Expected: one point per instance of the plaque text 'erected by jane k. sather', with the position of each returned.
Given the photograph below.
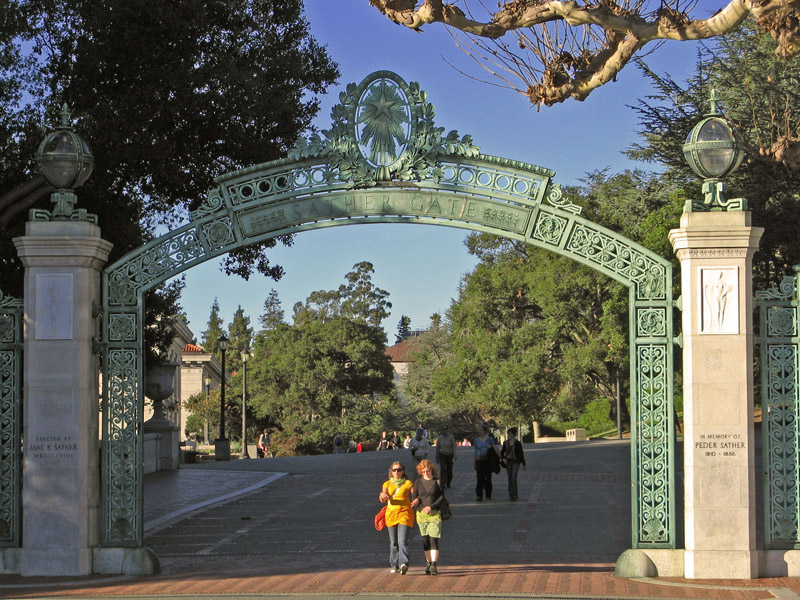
(53, 447)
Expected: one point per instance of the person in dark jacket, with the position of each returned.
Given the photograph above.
(512, 456)
(483, 445)
(427, 499)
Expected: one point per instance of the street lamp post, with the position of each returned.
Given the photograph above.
(222, 445)
(207, 382)
(245, 356)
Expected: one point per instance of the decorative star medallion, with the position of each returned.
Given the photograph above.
(384, 114)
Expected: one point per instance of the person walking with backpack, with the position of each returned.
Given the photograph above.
(512, 456)
(427, 498)
(483, 445)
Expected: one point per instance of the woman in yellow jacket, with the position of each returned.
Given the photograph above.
(399, 515)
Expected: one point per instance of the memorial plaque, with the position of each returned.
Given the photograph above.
(54, 307)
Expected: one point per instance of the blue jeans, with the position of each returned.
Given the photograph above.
(512, 468)
(398, 548)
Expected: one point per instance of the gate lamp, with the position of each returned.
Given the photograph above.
(713, 150)
(65, 161)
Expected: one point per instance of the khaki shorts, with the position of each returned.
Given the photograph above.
(430, 528)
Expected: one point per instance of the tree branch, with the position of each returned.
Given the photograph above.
(626, 26)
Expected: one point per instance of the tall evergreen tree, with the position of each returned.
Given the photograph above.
(403, 328)
(359, 299)
(214, 329)
(241, 335)
(273, 314)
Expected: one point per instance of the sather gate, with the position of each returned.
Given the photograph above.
(384, 161)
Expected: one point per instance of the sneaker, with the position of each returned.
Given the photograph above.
(394, 570)
(478, 499)
(428, 569)
(403, 569)
(434, 570)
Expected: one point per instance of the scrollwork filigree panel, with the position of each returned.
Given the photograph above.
(10, 417)
(122, 449)
(619, 256)
(154, 261)
(652, 436)
(779, 422)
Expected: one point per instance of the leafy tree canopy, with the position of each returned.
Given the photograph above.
(167, 94)
(761, 96)
(358, 299)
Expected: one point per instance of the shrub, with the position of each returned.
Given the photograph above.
(595, 418)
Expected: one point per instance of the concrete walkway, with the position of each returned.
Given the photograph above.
(302, 527)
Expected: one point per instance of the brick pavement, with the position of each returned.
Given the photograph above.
(239, 529)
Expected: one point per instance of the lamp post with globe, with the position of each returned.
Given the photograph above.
(245, 356)
(714, 150)
(222, 445)
(65, 161)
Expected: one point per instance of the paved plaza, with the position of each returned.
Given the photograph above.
(295, 527)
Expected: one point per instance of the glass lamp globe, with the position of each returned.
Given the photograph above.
(713, 148)
(64, 158)
(222, 342)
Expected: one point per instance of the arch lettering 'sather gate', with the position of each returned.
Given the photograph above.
(384, 161)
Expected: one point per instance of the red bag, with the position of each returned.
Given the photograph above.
(380, 519)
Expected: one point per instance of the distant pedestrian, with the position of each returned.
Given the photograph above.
(483, 444)
(359, 447)
(419, 447)
(263, 444)
(407, 442)
(338, 444)
(446, 455)
(513, 455)
(383, 441)
(397, 443)
(427, 498)
(465, 442)
(396, 493)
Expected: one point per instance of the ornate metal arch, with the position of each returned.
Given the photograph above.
(385, 161)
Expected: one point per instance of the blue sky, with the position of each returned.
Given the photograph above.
(421, 266)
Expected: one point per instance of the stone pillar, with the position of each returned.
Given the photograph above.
(716, 250)
(60, 490)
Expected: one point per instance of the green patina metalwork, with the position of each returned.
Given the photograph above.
(777, 319)
(385, 161)
(11, 319)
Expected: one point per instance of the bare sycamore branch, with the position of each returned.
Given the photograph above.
(563, 49)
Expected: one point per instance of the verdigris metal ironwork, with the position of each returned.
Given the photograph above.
(384, 161)
(713, 150)
(778, 337)
(11, 320)
(65, 161)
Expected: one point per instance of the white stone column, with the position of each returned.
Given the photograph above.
(716, 250)
(60, 490)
